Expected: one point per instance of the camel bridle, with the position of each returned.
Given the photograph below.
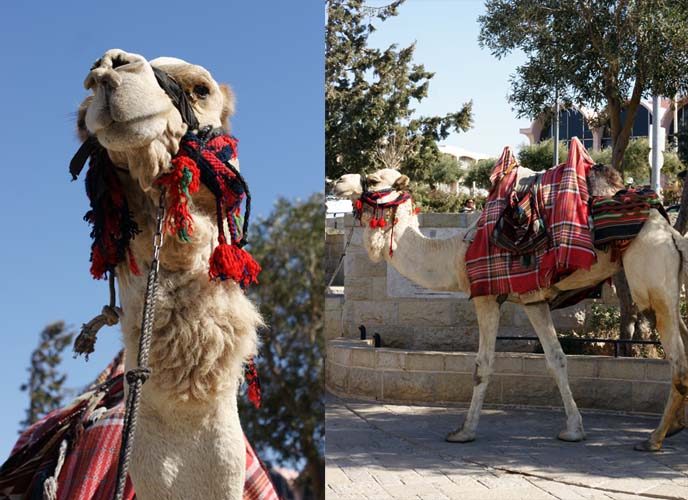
(384, 214)
(205, 158)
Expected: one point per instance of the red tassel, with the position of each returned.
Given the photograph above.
(182, 182)
(98, 268)
(231, 262)
(416, 210)
(373, 222)
(381, 222)
(359, 205)
(253, 382)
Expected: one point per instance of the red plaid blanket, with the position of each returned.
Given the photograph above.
(562, 198)
(81, 443)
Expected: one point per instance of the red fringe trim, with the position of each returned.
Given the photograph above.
(254, 391)
(98, 265)
(178, 219)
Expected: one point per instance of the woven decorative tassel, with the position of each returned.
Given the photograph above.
(231, 262)
(182, 182)
(253, 381)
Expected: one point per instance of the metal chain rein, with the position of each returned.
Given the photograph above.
(138, 376)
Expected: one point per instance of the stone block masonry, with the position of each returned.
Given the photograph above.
(355, 369)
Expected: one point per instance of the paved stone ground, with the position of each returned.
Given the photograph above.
(383, 451)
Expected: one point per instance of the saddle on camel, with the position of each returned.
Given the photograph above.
(539, 227)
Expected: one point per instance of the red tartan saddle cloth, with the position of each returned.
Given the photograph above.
(77, 449)
(529, 239)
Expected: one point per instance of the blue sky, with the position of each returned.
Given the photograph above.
(446, 37)
(270, 52)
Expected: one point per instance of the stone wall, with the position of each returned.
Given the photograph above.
(355, 369)
(407, 316)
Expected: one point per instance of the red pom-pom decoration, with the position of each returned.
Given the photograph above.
(373, 223)
(381, 222)
(231, 262)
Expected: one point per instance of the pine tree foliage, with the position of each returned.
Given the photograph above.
(369, 93)
(46, 382)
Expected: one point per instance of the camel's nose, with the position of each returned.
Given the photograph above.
(106, 70)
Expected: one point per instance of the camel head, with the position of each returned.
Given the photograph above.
(134, 118)
(605, 180)
(382, 201)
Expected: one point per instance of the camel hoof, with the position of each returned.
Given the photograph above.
(572, 436)
(460, 437)
(647, 446)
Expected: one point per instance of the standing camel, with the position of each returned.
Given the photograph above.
(189, 443)
(654, 264)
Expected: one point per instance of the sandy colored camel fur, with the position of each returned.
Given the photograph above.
(189, 443)
(655, 264)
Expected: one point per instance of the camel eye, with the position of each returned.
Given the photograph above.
(201, 91)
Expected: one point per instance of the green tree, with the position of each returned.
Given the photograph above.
(445, 171)
(604, 54)
(289, 245)
(636, 164)
(480, 174)
(46, 383)
(369, 119)
(540, 156)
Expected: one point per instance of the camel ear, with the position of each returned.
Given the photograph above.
(228, 104)
(373, 178)
(81, 129)
(401, 183)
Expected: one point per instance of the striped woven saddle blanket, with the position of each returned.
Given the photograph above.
(72, 453)
(618, 219)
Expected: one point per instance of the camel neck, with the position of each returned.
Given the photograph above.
(431, 262)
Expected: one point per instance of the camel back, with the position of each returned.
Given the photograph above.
(550, 241)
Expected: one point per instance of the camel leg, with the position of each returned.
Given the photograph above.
(487, 310)
(668, 325)
(679, 420)
(541, 319)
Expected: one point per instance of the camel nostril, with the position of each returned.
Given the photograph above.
(110, 80)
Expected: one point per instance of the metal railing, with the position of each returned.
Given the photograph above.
(616, 342)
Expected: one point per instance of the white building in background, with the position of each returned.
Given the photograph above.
(463, 156)
(576, 122)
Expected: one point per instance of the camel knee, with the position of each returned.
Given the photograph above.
(680, 383)
(681, 387)
(483, 371)
(555, 361)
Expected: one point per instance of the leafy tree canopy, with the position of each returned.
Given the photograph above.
(604, 54)
(480, 174)
(540, 156)
(369, 119)
(289, 245)
(445, 170)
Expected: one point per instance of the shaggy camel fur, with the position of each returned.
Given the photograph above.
(653, 263)
(189, 443)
